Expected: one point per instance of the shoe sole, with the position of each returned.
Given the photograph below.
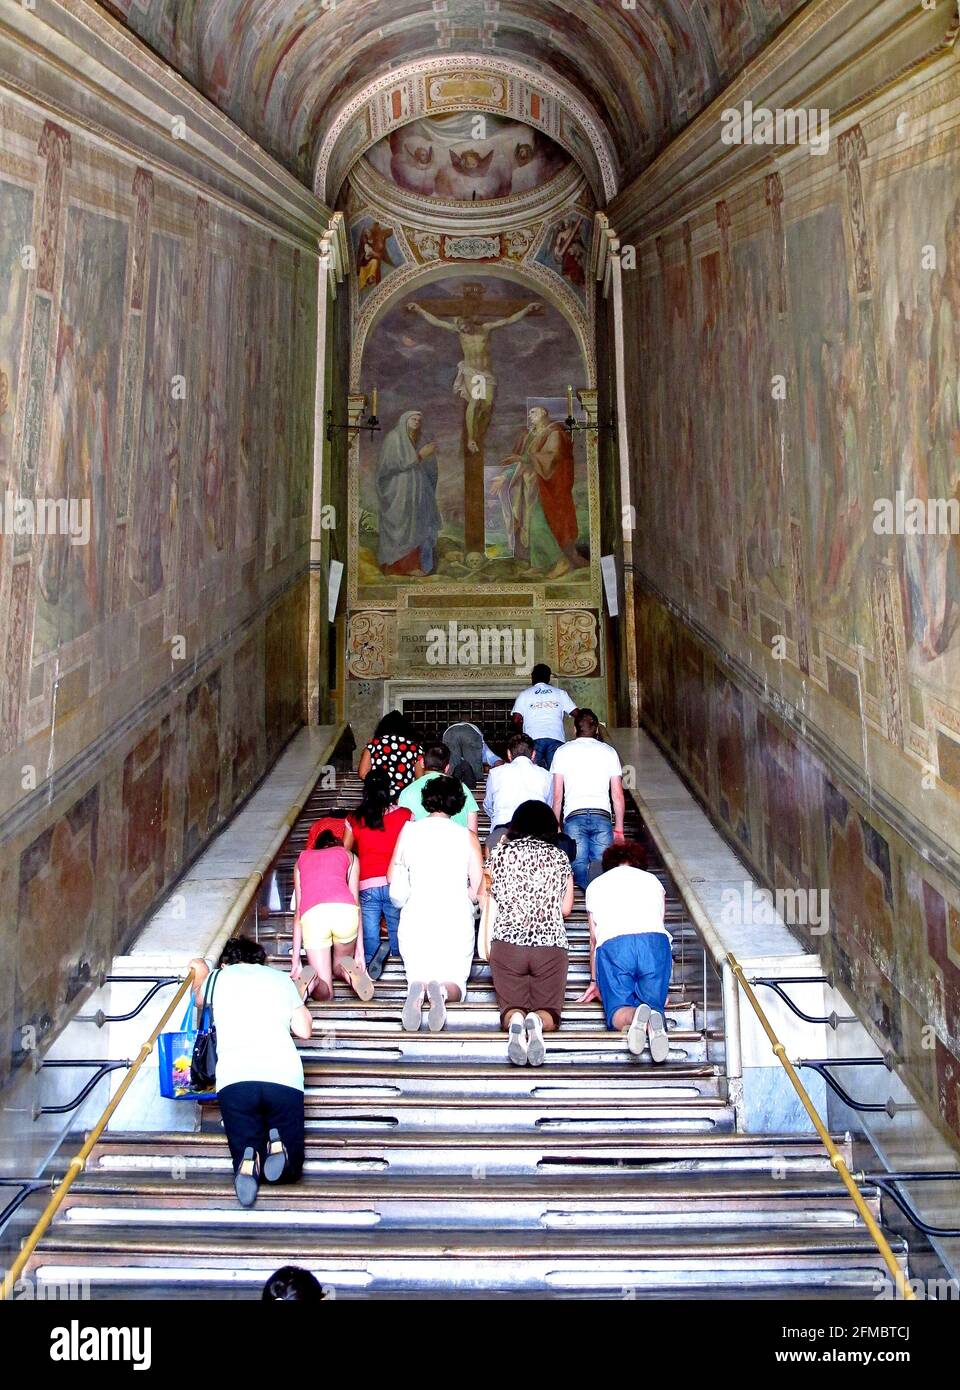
(360, 983)
(517, 1047)
(536, 1047)
(412, 1016)
(275, 1164)
(375, 968)
(659, 1042)
(308, 978)
(437, 1015)
(637, 1032)
(246, 1185)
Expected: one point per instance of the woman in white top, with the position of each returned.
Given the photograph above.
(630, 957)
(435, 875)
(259, 1072)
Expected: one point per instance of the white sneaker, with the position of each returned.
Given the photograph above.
(659, 1042)
(517, 1046)
(536, 1048)
(412, 1015)
(637, 1032)
(437, 1013)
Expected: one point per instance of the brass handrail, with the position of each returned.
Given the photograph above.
(232, 921)
(836, 1158)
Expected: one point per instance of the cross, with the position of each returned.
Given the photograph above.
(472, 304)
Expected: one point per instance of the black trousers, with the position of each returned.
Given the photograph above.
(250, 1109)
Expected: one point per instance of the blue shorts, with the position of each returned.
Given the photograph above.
(632, 970)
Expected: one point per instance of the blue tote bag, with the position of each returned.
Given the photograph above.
(175, 1052)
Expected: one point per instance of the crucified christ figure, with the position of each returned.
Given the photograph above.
(475, 382)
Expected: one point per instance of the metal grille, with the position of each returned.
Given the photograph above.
(431, 717)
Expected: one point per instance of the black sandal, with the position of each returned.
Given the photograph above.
(375, 968)
(246, 1181)
(275, 1163)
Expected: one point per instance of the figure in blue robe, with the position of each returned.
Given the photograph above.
(407, 497)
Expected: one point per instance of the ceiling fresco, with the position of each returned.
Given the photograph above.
(282, 69)
(467, 157)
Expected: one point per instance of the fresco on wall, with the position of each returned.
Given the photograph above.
(837, 432)
(827, 645)
(80, 442)
(280, 461)
(467, 156)
(893, 938)
(473, 477)
(201, 804)
(146, 817)
(920, 347)
(566, 248)
(160, 461)
(16, 218)
(216, 413)
(59, 866)
(375, 251)
(168, 353)
(254, 373)
(761, 423)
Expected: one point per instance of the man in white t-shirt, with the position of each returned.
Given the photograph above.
(588, 793)
(539, 712)
(512, 783)
(630, 957)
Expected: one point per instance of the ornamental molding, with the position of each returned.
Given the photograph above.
(560, 98)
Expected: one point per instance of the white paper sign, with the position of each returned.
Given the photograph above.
(608, 568)
(333, 588)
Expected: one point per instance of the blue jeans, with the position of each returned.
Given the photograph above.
(375, 902)
(544, 749)
(632, 970)
(592, 834)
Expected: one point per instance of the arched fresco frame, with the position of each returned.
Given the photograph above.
(545, 283)
(555, 99)
(530, 275)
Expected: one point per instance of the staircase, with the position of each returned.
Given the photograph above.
(435, 1169)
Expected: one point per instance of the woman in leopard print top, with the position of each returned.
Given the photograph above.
(531, 882)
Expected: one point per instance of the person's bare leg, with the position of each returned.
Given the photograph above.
(322, 988)
(622, 1019)
(549, 1026)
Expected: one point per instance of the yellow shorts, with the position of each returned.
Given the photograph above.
(327, 923)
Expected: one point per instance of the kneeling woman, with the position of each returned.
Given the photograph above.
(630, 957)
(436, 871)
(259, 1073)
(531, 882)
(326, 919)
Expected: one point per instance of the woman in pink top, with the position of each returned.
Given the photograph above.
(326, 918)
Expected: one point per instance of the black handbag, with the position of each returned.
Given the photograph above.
(203, 1063)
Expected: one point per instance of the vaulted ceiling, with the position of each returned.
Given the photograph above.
(283, 69)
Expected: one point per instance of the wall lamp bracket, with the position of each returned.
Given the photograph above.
(371, 423)
(570, 424)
